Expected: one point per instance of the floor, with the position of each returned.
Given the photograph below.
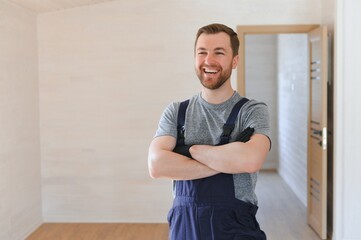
(281, 215)
(100, 231)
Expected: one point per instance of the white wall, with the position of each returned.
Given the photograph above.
(106, 73)
(293, 88)
(347, 123)
(261, 83)
(20, 184)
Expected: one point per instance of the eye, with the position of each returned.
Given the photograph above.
(202, 53)
(220, 53)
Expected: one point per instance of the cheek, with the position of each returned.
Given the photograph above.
(198, 62)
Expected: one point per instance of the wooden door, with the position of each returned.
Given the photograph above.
(317, 155)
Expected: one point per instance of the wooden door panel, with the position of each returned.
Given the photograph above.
(317, 157)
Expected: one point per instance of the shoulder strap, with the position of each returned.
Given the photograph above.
(180, 122)
(230, 123)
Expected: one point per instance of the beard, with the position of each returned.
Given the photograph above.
(214, 82)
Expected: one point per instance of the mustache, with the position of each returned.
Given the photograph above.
(210, 65)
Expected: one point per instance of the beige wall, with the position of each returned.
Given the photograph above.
(20, 183)
(106, 73)
(328, 14)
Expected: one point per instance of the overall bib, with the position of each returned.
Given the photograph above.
(206, 209)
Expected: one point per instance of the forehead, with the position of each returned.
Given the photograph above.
(216, 40)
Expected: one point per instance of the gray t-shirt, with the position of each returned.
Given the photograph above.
(203, 125)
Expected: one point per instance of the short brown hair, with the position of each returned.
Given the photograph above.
(217, 28)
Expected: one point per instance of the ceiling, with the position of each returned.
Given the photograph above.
(41, 6)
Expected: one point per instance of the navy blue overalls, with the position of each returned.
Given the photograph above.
(206, 209)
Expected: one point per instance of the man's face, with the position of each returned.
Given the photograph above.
(214, 59)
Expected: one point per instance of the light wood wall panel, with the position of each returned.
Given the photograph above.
(20, 183)
(293, 102)
(40, 6)
(106, 73)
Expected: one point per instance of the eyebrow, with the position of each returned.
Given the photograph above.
(220, 48)
(216, 49)
(201, 49)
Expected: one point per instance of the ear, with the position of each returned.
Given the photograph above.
(235, 61)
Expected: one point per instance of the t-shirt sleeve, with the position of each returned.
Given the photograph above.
(256, 115)
(168, 122)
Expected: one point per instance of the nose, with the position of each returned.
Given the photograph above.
(209, 59)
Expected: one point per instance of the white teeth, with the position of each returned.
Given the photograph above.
(210, 71)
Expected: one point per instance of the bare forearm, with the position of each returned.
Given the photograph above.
(167, 164)
(236, 157)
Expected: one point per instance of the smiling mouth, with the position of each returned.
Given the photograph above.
(210, 71)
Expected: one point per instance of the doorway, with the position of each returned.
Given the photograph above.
(277, 74)
(288, 75)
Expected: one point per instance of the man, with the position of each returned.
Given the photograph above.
(214, 174)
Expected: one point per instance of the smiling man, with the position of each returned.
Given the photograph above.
(212, 147)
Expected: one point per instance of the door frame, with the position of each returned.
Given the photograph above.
(261, 29)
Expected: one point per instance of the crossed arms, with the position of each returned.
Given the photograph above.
(235, 157)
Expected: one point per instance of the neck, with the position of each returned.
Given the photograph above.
(217, 96)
